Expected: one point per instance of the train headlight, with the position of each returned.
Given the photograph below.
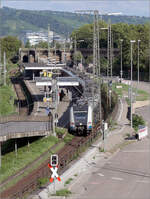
(72, 123)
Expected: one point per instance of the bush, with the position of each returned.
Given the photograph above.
(68, 138)
(62, 192)
(137, 120)
(42, 181)
(60, 131)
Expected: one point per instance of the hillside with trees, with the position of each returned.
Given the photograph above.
(18, 22)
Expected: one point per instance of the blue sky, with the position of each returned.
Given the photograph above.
(127, 7)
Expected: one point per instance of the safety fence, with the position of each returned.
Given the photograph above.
(18, 118)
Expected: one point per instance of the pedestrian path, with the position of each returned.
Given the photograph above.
(121, 129)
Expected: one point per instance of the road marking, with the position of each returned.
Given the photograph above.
(100, 174)
(114, 178)
(143, 181)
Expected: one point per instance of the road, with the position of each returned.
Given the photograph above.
(125, 176)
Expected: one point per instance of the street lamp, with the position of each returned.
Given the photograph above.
(121, 72)
(75, 50)
(131, 41)
(138, 61)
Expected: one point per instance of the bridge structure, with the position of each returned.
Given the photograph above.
(31, 55)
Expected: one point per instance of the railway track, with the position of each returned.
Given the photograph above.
(22, 99)
(66, 155)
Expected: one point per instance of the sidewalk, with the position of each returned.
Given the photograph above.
(116, 136)
(85, 164)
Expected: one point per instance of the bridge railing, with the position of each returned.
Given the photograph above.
(18, 118)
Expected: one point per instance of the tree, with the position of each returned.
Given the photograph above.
(42, 44)
(11, 45)
(78, 56)
(27, 44)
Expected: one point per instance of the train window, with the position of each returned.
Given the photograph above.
(80, 114)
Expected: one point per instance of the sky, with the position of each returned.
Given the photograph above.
(126, 7)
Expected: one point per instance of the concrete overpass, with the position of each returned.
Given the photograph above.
(32, 55)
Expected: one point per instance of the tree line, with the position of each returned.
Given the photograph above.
(123, 31)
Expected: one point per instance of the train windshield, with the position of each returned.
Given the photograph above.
(79, 115)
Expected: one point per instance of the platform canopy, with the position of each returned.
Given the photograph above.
(61, 81)
(41, 66)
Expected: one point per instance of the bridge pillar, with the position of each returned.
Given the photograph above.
(16, 147)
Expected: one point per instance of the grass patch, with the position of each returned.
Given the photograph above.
(11, 164)
(68, 138)
(141, 94)
(75, 174)
(7, 97)
(42, 181)
(68, 181)
(62, 192)
(47, 155)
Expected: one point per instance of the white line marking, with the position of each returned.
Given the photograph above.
(143, 181)
(100, 174)
(114, 178)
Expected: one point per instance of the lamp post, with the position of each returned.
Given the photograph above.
(121, 72)
(138, 61)
(75, 50)
(65, 51)
(48, 41)
(131, 41)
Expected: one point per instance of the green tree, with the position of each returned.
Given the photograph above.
(137, 120)
(10, 45)
(27, 44)
(42, 44)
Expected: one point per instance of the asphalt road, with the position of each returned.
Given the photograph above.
(125, 176)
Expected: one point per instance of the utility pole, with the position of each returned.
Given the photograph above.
(65, 51)
(5, 69)
(109, 72)
(0, 64)
(138, 61)
(48, 42)
(96, 53)
(121, 72)
(132, 41)
(54, 103)
(75, 51)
